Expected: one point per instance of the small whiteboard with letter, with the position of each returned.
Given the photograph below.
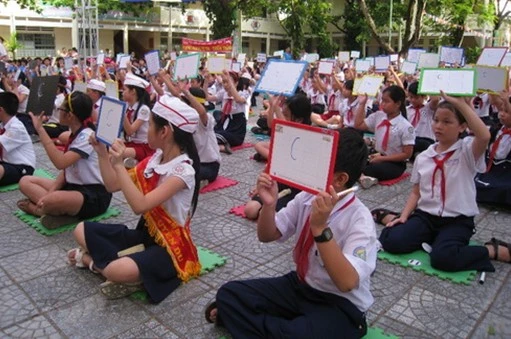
(408, 67)
(452, 55)
(187, 66)
(370, 85)
(152, 60)
(491, 79)
(281, 77)
(458, 82)
(381, 63)
(492, 56)
(414, 54)
(110, 119)
(42, 95)
(294, 159)
(428, 60)
(362, 65)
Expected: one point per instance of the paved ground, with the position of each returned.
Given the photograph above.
(40, 296)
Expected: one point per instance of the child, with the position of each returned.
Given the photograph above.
(335, 256)
(394, 136)
(441, 207)
(163, 189)
(136, 121)
(17, 157)
(349, 105)
(494, 185)
(420, 115)
(78, 192)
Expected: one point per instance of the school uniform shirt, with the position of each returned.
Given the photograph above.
(306, 85)
(481, 104)
(205, 140)
(353, 230)
(17, 147)
(459, 170)
(237, 107)
(97, 105)
(334, 99)
(348, 120)
(86, 170)
(401, 132)
(23, 105)
(55, 116)
(316, 97)
(181, 166)
(424, 126)
(504, 148)
(144, 113)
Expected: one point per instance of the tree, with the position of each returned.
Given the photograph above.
(502, 11)
(13, 44)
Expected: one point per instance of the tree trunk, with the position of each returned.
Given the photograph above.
(373, 29)
(413, 24)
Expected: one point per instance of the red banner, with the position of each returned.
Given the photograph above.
(221, 45)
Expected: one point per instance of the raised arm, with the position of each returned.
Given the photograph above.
(360, 114)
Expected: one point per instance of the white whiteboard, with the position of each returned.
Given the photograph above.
(241, 58)
(369, 85)
(111, 89)
(216, 65)
(281, 77)
(261, 57)
(506, 62)
(492, 79)
(110, 119)
(312, 57)
(382, 63)
(344, 56)
(414, 54)
(236, 67)
(461, 82)
(451, 55)
(325, 67)
(187, 66)
(100, 59)
(123, 62)
(68, 63)
(355, 54)
(294, 157)
(428, 60)
(408, 67)
(152, 60)
(492, 56)
(362, 65)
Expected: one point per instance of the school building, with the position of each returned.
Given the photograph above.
(163, 27)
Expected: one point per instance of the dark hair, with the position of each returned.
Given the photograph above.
(81, 107)
(300, 107)
(142, 98)
(348, 84)
(414, 88)
(243, 84)
(186, 143)
(196, 92)
(9, 102)
(61, 85)
(351, 155)
(452, 108)
(397, 94)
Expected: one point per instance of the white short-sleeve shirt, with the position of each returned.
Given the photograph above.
(348, 120)
(22, 108)
(205, 140)
(55, 117)
(316, 97)
(86, 170)
(354, 231)
(17, 148)
(401, 134)
(504, 147)
(335, 99)
(144, 113)
(459, 171)
(481, 104)
(180, 203)
(424, 127)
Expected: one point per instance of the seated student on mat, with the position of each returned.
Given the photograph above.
(441, 207)
(78, 192)
(494, 185)
(163, 189)
(394, 136)
(335, 255)
(17, 157)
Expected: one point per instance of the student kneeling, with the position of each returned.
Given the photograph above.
(335, 255)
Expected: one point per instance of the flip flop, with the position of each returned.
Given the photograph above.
(496, 243)
(380, 213)
(113, 290)
(207, 312)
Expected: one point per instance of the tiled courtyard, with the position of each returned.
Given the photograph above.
(41, 296)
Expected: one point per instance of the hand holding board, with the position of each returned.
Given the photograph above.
(110, 119)
(458, 82)
(294, 158)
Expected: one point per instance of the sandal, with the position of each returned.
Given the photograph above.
(78, 257)
(113, 290)
(380, 213)
(496, 243)
(207, 312)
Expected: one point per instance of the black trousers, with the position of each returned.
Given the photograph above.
(284, 307)
(385, 170)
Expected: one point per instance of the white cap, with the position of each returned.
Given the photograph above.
(136, 81)
(177, 113)
(96, 85)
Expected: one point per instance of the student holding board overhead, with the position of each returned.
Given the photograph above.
(394, 136)
(335, 254)
(441, 207)
(78, 192)
(159, 254)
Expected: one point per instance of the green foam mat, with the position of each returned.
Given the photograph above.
(413, 259)
(209, 261)
(38, 173)
(35, 223)
(377, 333)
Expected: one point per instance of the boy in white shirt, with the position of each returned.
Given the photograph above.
(17, 156)
(335, 255)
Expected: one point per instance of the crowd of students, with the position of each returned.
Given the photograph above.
(172, 138)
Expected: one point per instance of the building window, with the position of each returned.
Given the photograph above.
(37, 41)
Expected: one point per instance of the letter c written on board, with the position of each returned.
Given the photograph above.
(293, 146)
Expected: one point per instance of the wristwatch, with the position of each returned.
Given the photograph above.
(325, 236)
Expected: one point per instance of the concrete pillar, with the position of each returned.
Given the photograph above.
(125, 39)
(268, 43)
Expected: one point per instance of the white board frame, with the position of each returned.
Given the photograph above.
(123, 62)
(453, 81)
(370, 85)
(216, 65)
(492, 79)
(382, 63)
(325, 67)
(152, 60)
(428, 60)
(110, 119)
(409, 67)
(261, 57)
(187, 66)
(344, 56)
(452, 55)
(281, 77)
(362, 65)
(414, 54)
(492, 56)
(294, 160)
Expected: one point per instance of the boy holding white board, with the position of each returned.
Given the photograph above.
(335, 256)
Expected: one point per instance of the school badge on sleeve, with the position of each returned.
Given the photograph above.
(360, 252)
